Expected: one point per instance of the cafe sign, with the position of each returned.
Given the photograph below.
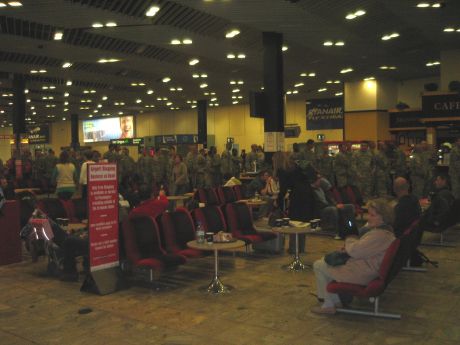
(441, 105)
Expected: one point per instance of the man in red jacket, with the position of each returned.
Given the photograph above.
(149, 206)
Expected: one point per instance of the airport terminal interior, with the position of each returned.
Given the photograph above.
(229, 172)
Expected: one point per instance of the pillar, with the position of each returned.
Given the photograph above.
(19, 108)
(274, 93)
(202, 110)
(75, 141)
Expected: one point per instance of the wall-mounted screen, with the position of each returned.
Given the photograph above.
(106, 129)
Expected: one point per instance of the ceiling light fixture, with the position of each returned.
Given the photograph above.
(149, 92)
(152, 11)
(108, 60)
(232, 33)
(175, 42)
(111, 24)
(322, 90)
(433, 63)
(193, 62)
(97, 25)
(241, 56)
(369, 78)
(15, 3)
(339, 93)
(187, 41)
(66, 65)
(58, 35)
(231, 56)
(354, 15)
(390, 36)
(284, 48)
(346, 70)
(166, 80)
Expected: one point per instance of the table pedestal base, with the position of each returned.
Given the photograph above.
(217, 287)
(295, 266)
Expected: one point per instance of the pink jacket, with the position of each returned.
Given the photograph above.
(366, 257)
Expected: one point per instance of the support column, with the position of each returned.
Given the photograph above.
(75, 141)
(19, 109)
(202, 110)
(274, 93)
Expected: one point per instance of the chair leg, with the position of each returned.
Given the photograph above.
(374, 313)
(409, 268)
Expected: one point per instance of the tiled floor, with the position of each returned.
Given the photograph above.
(268, 306)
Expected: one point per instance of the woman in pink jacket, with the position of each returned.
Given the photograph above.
(366, 255)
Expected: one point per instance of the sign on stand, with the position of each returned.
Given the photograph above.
(103, 229)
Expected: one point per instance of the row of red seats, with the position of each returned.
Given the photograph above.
(219, 196)
(159, 244)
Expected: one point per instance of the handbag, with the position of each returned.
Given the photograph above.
(336, 258)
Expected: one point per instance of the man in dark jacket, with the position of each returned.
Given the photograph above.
(407, 210)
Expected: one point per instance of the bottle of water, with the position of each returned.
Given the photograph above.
(199, 233)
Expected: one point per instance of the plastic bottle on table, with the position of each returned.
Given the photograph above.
(199, 233)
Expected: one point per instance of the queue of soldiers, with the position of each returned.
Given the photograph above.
(372, 168)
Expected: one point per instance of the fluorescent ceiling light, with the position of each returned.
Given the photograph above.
(299, 85)
(230, 56)
(328, 43)
(2, 4)
(187, 41)
(69, 83)
(339, 93)
(346, 70)
(111, 24)
(193, 62)
(284, 48)
(152, 11)
(232, 33)
(340, 43)
(204, 85)
(322, 90)
(166, 80)
(449, 30)
(369, 78)
(175, 42)
(58, 35)
(358, 13)
(66, 64)
(15, 3)
(241, 56)
(423, 5)
(97, 25)
(149, 92)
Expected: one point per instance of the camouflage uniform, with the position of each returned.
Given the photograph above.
(382, 173)
(190, 161)
(342, 169)
(126, 166)
(250, 159)
(417, 174)
(145, 169)
(164, 168)
(236, 163)
(400, 167)
(200, 170)
(50, 162)
(310, 157)
(325, 167)
(213, 174)
(111, 156)
(454, 170)
(226, 164)
(363, 166)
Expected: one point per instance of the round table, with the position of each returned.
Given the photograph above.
(253, 202)
(296, 265)
(216, 286)
(177, 198)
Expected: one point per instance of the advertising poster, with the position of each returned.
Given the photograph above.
(325, 114)
(103, 215)
(106, 129)
(39, 134)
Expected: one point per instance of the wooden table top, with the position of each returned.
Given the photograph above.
(31, 190)
(292, 230)
(178, 197)
(214, 246)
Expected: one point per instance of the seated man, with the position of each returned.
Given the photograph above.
(337, 217)
(149, 206)
(407, 210)
(439, 214)
(258, 184)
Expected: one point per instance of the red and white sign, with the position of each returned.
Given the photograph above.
(103, 215)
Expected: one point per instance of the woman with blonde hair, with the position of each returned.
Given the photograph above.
(365, 257)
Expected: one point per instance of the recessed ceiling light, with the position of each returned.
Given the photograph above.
(15, 3)
(340, 43)
(433, 63)
(66, 64)
(204, 85)
(166, 80)
(187, 41)
(339, 93)
(322, 90)
(241, 56)
(449, 30)
(284, 48)
(299, 84)
(231, 56)
(328, 43)
(195, 76)
(204, 75)
(356, 14)
(2, 4)
(107, 60)
(149, 92)
(346, 70)
(235, 90)
(193, 62)
(390, 36)
(423, 5)
(104, 98)
(97, 25)
(152, 11)
(369, 78)
(138, 100)
(175, 42)
(232, 33)
(58, 35)
(111, 24)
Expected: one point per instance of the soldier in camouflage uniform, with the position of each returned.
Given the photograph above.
(260, 158)
(213, 163)
(325, 164)
(50, 163)
(296, 154)
(127, 165)
(430, 159)
(400, 165)
(190, 161)
(417, 171)
(237, 163)
(308, 154)
(226, 162)
(454, 168)
(38, 170)
(112, 154)
(342, 167)
(201, 163)
(382, 170)
(145, 168)
(251, 157)
(164, 168)
(363, 163)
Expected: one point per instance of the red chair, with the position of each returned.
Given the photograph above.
(178, 229)
(143, 246)
(208, 196)
(372, 290)
(241, 225)
(226, 195)
(211, 218)
(239, 191)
